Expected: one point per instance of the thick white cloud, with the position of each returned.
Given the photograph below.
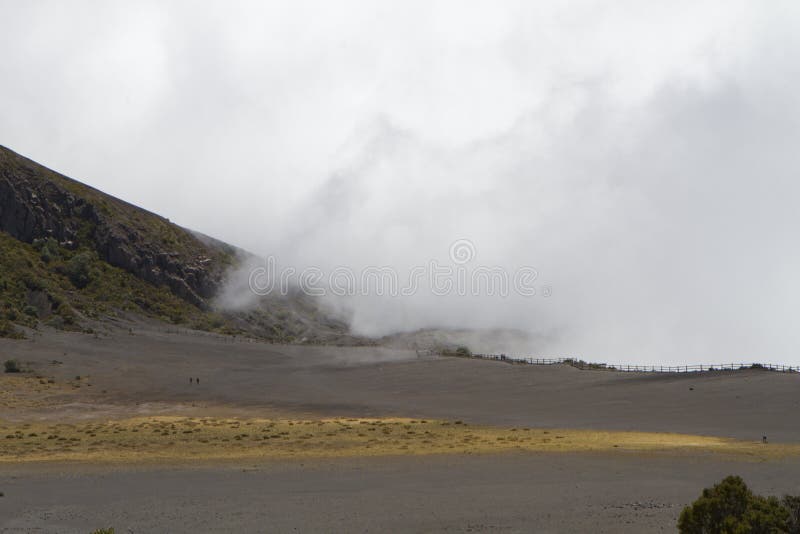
(639, 155)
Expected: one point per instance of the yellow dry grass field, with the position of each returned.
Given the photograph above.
(133, 438)
(198, 438)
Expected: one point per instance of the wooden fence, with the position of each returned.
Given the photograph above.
(580, 364)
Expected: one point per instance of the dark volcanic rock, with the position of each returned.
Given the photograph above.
(36, 202)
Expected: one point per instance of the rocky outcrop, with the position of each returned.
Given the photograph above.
(36, 203)
(28, 212)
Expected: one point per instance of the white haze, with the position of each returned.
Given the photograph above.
(642, 156)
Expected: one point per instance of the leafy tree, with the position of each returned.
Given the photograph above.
(731, 508)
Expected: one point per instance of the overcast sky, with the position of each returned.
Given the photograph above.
(641, 156)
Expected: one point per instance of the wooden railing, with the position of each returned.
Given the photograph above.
(580, 364)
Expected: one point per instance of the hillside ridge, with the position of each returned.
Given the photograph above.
(39, 203)
(70, 253)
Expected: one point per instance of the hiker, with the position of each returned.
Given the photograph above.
(763, 439)
(190, 379)
(197, 380)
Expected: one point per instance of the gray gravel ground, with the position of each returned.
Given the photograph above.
(506, 493)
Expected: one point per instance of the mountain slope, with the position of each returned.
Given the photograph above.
(37, 203)
(70, 253)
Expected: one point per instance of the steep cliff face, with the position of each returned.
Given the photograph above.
(37, 203)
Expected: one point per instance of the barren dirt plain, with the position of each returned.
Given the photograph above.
(108, 430)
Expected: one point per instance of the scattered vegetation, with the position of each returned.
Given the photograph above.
(730, 507)
(103, 531)
(62, 287)
(65, 277)
(12, 366)
(46, 283)
(210, 438)
(580, 364)
(64, 283)
(8, 330)
(97, 209)
(462, 351)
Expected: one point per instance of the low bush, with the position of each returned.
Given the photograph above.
(79, 271)
(792, 505)
(729, 507)
(8, 330)
(12, 366)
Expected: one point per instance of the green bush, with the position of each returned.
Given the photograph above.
(66, 313)
(103, 531)
(49, 249)
(12, 366)
(78, 269)
(731, 508)
(7, 330)
(792, 505)
(46, 255)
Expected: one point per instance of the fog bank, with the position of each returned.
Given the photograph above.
(639, 159)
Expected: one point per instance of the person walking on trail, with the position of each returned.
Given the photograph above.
(190, 379)
(197, 380)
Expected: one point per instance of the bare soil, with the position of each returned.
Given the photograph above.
(119, 375)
